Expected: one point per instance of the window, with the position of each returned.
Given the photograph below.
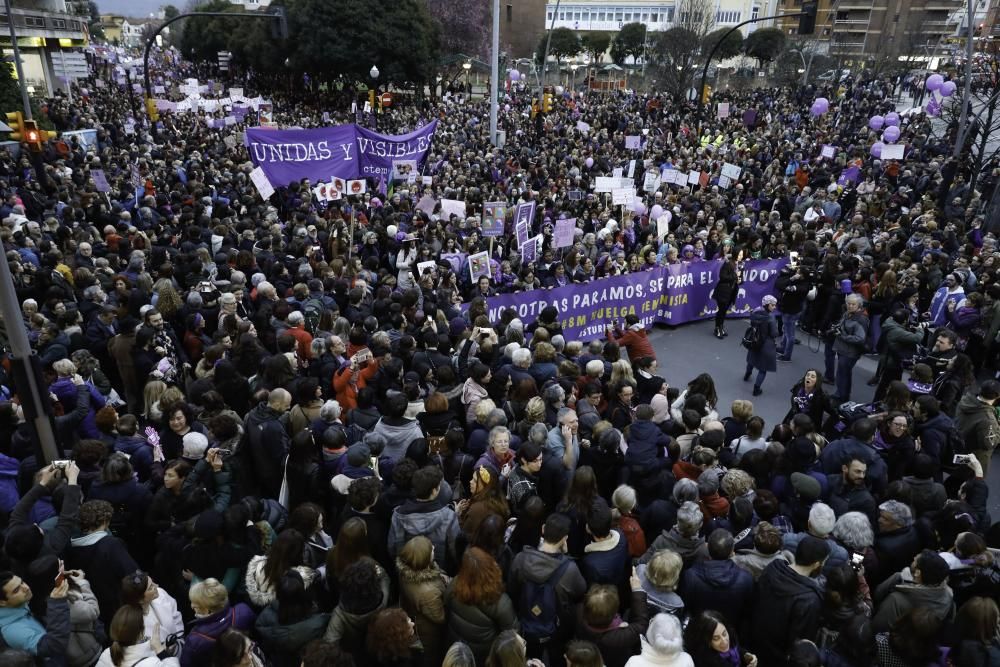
(576, 16)
(548, 16)
(600, 16)
(654, 17)
(668, 15)
(755, 13)
(34, 21)
(562, 16)
(510, 13)
(895, 19)
(619, 15)
(628, 17)
(645, 17)
(59, 23)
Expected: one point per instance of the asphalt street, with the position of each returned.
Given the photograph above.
(684, 352)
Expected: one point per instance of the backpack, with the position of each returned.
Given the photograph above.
(953, 444)
(312, 309)
(539, 606)
(753, 339)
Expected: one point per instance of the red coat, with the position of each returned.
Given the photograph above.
(636, 342)
(347, 391)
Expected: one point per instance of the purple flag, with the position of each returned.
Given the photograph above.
(345, 151)
(852, 174)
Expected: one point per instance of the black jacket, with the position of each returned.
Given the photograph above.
(106, 561)
(787, 608)
(720, 585)
(265, 449)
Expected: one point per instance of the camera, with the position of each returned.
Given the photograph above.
(61, 465)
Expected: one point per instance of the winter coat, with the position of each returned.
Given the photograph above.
(721, 585)
(977, 422)
(137, 655)
(646, 448)
(725, 289)
(787, 608)
(659, 600)
(850, 342)
(755, 562)
(48, 643)
(607, 561)
(421, 595)
(933, 435)
(650, 657)
(478, 625)
(284, 643)
(537, 566)
(900, 343)
(620, 642)
(635, 340)
(105, 560)
(398, 434)
(140, 454)
(349, 628)
(472, 394)
(84, 643)
(261, 591)
(895, 550)
(691, 549)
(265, 449)
(926, 495)
(765, 357)
(840, 452)
(895, 598)
(432, 519)
(201, 639)
(57, 540)
(163, 612)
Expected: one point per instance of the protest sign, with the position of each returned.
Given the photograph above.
(562, 235)
(723, 109)
(450, 207)
(622, 196)
(633, 142)
(100, 180)
(525, 213)
(651, 183)
(828, 151)
(261, 182)
(893, 151)
(479, 265)
(529, 251)
(494, 216)
(731, 171)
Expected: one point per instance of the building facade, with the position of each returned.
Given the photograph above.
(522, 23)
(656, 15)
(51, 42)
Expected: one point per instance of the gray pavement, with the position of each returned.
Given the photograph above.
(688, 350)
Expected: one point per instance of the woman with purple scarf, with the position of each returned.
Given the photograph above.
(711, 641)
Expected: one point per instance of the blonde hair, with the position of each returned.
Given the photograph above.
(664, 569)
(742, 410)
(64, 367)
(417, 553)
(621, 371)
(535, 409)
(152, 393)
(209, 595)
(483, 410)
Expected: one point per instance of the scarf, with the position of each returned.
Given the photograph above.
(731, 657)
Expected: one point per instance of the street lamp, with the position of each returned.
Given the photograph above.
(573, 69)
(467, 66)
(373, 72)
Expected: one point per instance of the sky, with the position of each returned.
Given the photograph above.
(136, 8)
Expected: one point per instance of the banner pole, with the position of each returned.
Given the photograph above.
(350, 239)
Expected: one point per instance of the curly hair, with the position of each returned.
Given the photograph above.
(390, 636)
(479, 580)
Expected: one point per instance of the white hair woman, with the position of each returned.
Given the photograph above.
(663, 645)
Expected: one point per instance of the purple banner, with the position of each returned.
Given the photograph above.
(344, 151)
(667, 295)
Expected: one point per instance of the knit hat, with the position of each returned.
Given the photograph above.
(806, 487)
(195, 445)
(769, 300)
(457, 326)
(358, 455)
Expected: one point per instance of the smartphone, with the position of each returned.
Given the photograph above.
(857, 559)
(961, 459)
(61, 464)
(224, 452)
(793, 258)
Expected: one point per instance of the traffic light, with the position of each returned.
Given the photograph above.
(706, 94)
(534, 108)
(15, 119)
(547, 102)
(807, 20)
(154, 113)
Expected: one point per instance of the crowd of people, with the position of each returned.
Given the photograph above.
(282, 444)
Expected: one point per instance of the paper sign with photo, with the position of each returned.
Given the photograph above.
(424, 267)
(401, 169)
(450, 207)
(356, 187)
(494, 216)
(479, 265)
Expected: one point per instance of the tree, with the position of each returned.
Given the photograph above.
(630, 41)
(203, 37)
(730, 48)
(565, 44)
(10, 97)
(595, 44)
(672, 54)
(764, 45)
(697, 16)
(464, 26)
(170, 11)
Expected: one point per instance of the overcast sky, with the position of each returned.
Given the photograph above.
(136, 8)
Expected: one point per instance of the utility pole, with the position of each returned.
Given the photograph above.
(22, 83)
(495, 73)
(25, 365)
(545, 56)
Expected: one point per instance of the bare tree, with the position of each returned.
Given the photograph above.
(698, 16)
(676, 54)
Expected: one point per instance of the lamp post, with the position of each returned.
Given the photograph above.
(467, 66)
(573, 68)
(373, 73)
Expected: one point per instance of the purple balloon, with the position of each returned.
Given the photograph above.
(947, 88)
(515, 75)
(589, 162)
(639, 208)
(891, 134)
(877, 149)
(934, 82)
(876, 122)
(656, 212)
(933, 108)
(892, 118)
(822, 104)
(815, 110)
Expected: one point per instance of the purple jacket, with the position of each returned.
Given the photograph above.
(8, 483)
(201, 639)
(65, 391)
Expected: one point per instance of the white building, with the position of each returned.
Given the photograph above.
(251, 4)
(657, 15)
